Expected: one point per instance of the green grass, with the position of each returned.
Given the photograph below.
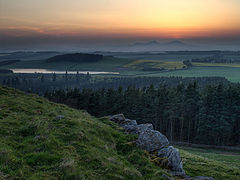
(128, 67)
(218, 164)
(232, 74)
(236, 65)
(108, 63)
(229, 71)
(35, 145)
(140, 64)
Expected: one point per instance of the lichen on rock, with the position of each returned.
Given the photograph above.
(156, 144)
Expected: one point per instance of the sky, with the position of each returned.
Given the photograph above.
(29, 23)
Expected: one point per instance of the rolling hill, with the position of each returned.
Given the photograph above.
(154, 45)
(76, 58)
(72, 62)
(43, 140)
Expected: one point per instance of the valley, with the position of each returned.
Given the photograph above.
(135, 64)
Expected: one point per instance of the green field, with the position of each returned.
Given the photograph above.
(157, 64)
(216, 163)
(236, 65)
(232, 74)
(131, 67)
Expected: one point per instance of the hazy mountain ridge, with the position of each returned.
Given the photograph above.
(76, 57)
(154, 45)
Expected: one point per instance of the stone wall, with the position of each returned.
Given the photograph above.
(157, 145)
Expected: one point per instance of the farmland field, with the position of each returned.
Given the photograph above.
(215, 163)
(137, 64)
(237, 65)
(158, 64)
(232, 74)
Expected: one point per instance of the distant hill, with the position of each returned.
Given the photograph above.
(7, 62)
(175, 42)
(76, 58)
(149, 43)
(175, 45)
(28, 55)
(5, 71)
(158, 44)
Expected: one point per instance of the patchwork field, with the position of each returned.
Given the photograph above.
(136, 64)
(232, 74)
(155, 64)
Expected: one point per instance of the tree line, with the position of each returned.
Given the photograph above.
(39, 83)
(186, 112)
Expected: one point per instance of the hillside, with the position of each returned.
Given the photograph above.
(34, 144)
(43, 140)
(77, 58)
(106, 63)
(7, 62)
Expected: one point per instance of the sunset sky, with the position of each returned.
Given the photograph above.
(29, 21)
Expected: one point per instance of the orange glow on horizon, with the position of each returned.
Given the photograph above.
(147, 18)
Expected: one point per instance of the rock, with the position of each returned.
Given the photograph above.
(174, 160)
(130, 127)
(202, 178)
(178, 173)
(126, 122)
(143, 127)
(151, 140)
(199, 178)
(59, 117)
(167, 177)
(132, 122)
(133, 128)
(119, 119)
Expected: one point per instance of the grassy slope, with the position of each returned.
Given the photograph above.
(218, 164)
(35, 145)
(106, 64)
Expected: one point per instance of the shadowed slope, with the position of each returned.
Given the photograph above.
(35, 143)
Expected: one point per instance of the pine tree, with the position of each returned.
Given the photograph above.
(54, 77)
